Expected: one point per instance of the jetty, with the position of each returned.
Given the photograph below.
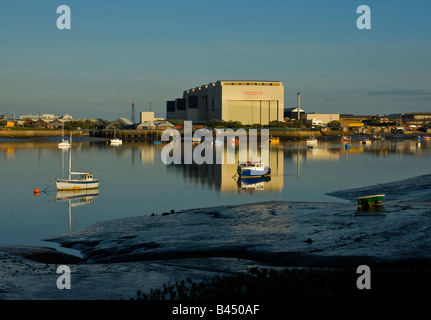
(128, 135)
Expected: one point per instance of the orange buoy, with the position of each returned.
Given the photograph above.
(36, 192)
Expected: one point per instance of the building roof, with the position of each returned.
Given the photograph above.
(164, 124)
(294, 109)
(119, 123)
(249, 80)
(147, 124)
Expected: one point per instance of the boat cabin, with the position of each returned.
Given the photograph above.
(86, 176)
(257, 164)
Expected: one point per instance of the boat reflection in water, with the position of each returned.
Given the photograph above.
(223, 176)
(252, 184)
(76, 198)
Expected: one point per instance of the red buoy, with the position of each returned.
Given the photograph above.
(36, 192)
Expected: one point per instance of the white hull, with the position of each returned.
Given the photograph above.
(64, 145)
(63, 185)
(116, 142)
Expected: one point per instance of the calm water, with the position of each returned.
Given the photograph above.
(134, 181)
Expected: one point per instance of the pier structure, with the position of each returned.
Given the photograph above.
(128, 135)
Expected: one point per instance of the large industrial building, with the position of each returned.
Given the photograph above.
(247, 101)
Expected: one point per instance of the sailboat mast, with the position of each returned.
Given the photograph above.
(70, 157)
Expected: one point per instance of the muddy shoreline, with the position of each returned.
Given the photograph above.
(121, 257)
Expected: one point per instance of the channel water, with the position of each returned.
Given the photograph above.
(134, 181)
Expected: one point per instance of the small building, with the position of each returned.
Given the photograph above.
(292, 113)
(55, 124)
(147, 116)
(162, 125)
(147, 125)
(355, 118)
(40, 123)
(350, 123)
(322, 118)
(28, 122)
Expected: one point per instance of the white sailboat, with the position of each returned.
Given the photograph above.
(85, 180)
(63, 143)
(116, 142)
(311, 141)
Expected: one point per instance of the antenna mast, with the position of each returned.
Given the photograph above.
(133, 112)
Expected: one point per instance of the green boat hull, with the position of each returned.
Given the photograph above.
(370, 201)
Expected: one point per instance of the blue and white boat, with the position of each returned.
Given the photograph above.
(252, 169)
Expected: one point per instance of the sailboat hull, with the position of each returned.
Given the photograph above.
(63, 184)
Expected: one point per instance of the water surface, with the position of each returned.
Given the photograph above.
(134, 181)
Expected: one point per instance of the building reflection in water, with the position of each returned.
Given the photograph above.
(222, 177)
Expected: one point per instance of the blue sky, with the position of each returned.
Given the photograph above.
(151, 51)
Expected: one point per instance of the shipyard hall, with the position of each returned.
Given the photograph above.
(246, 101)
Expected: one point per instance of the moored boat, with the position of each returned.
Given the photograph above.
(86, 180)
(345, 138)
(311, 141)
(274, 140)
(366, 141)
(367, 202)
(116, 141)
(63, 143)
(252, 169)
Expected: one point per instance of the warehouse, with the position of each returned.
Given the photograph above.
(247, 101)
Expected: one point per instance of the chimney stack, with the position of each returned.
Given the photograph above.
(299, 104)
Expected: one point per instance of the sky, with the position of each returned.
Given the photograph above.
(151, 51)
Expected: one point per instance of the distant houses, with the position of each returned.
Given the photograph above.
(56, 124)
(124, 124)
(411, 121)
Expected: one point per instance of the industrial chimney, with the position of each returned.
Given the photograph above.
(298, 107)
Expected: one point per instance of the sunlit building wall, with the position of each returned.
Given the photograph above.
(249, 102)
